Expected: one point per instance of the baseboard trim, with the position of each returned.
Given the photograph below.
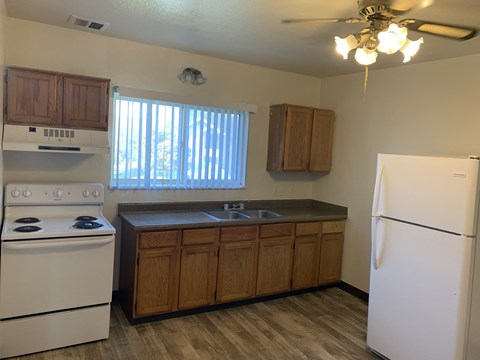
(362, 295)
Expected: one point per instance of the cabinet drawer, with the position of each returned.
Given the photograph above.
(157, 239)
(238, 233)
(200, 236)
(333, 227)
(276, 230)
(308, 228)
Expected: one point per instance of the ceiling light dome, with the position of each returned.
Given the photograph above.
(344, 46)
(392, 39)
(365, 56)
(410, 49)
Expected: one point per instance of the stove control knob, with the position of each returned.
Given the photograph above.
(27, 193)
(95, 193)
(58, 193)
(15, 193)
(86, 193)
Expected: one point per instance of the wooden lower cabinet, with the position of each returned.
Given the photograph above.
(157, 281)
(198, 275)
(331, 252)
(237, 263)
(305, 262)
(171, 270)
(274, 266)
(306, 255)
(237, 271)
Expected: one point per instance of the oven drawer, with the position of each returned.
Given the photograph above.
(38, 276)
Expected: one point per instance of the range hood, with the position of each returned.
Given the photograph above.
(54, 140)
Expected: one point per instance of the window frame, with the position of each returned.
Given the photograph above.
(185, 181)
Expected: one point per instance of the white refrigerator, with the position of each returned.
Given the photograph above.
(424, 298)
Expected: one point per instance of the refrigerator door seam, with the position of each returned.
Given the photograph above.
(425, 226)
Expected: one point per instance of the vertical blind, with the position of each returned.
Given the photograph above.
(165, 145)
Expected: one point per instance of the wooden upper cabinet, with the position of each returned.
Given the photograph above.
(85, 102)
(45, 98)
(300, 139)
(298, 129)
(322, 141)
(32, 97)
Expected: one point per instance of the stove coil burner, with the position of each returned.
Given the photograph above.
(27, 220)
(27, 229)
(86, 218)
(87, 225)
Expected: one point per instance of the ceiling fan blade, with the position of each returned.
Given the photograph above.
(454, 32)
(333, 20)
(401, 7)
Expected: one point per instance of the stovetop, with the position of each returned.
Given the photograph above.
(39, 211)
(55, 222)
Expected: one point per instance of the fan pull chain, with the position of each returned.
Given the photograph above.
(365, 81)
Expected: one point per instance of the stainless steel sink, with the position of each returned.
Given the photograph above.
(264, 214)
(226, 215)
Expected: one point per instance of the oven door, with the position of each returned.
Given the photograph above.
(39, 276)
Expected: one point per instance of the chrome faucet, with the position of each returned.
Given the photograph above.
(238, 206)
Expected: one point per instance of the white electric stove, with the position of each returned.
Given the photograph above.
(56, 267)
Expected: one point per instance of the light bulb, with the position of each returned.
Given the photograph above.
(410, 49)
(392, 39)
(344, 46)
(365, 56)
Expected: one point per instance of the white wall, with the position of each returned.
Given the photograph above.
(426, 109)
(136, 65)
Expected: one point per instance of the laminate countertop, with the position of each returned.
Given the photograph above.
(174, 215)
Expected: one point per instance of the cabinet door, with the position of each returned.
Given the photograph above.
(198, 275)
(157, 281)
(322, 141)
(237, 270)
(85, 102)
(32, 97)
(330, 269)
(298, 130)
(305, 262)
(274, 266)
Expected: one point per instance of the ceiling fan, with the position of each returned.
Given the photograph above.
(385, 32)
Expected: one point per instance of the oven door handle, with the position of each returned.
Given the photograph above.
(56, 244)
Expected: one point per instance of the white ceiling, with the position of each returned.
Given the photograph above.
(250, 31)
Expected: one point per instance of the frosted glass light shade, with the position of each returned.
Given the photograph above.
(392, 39)
(410, 49)
(365, 56)
(344, 46)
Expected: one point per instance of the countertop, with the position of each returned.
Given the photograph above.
(169, 215)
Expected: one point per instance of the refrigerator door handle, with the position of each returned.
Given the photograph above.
(375, 260)
(376, 191)
(376, 216)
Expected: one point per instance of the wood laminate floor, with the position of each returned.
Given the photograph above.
(325, 325)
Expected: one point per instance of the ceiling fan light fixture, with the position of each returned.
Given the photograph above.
(392, 39)
(410, 48)
(365, 56)
(344, 46)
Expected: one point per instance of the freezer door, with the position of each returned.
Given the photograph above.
(432, 191)
(418, 301)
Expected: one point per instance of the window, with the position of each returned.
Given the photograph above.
(165, 145)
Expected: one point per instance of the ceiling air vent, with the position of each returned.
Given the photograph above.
(87, 23)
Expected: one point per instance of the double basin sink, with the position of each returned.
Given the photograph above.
(241, 214)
